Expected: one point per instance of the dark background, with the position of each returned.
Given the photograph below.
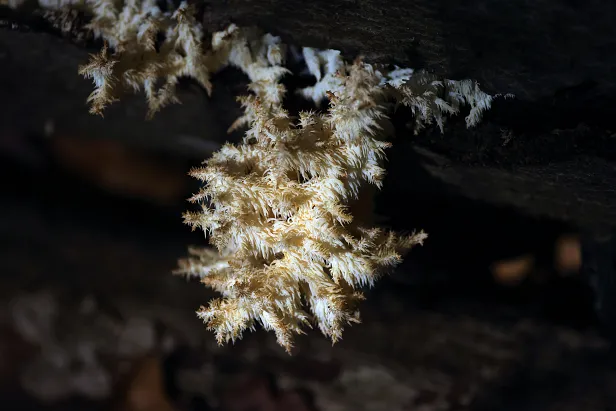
(92, 207)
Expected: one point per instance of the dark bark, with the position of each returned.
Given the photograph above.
(554, 56)
(467, 353)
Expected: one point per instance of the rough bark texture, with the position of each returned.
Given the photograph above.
(529, 48)
(549, 153)
(554, 56)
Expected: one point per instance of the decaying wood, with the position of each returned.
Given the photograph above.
(554, 56)
(549, 153)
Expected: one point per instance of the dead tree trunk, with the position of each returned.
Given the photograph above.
(548, 153)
